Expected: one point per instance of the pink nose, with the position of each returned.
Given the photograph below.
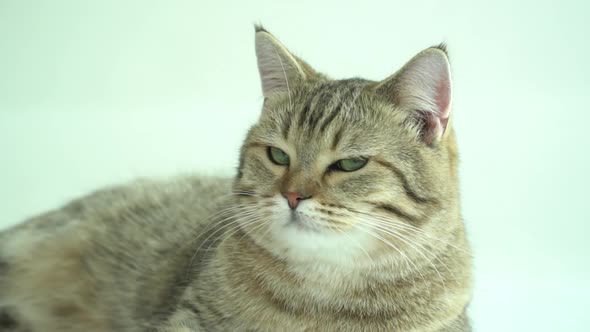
(293, 199)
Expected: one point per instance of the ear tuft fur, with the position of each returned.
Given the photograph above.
(259, 28)
(443, 47)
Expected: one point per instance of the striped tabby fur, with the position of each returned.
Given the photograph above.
(381, 248)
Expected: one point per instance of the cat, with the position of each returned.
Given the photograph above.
(344, 215)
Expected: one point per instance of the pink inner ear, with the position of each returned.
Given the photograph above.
(436, 122)
(424, 86)
(443, 101)
(433, 128)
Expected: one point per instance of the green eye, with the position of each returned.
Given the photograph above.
(349, 165)
(278, 156)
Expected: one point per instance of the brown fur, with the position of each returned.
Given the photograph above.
(382, 248)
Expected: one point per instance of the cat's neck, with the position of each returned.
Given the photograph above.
(250, 273)
(355, 273)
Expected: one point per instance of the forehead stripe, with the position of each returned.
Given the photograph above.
(322, 101)
(342, 97)
(304, 111)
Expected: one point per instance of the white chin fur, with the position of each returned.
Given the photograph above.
(312, 239)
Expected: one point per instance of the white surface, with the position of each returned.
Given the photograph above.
(95, 94)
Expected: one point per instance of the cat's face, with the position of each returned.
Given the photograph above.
(337, 170)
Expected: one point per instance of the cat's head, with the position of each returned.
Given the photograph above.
(344, 169)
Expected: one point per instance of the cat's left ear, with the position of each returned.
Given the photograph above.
(279, 69)
(423, 86)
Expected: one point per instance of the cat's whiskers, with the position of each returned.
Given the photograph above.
(237, 194)
(396, 226)
(225, 207)
(358, 244)
(418, 231)
(228, 210)
(405, 257)
(237, 225)
(243, 193)
(413, 244)
(232, 209)
(219, 200)
(244, 211)
(240, 214)
(411, 266)
(255, 228)
(223, 212)
(390, 226)
(240, 224)
(234, 222)
(341, 213)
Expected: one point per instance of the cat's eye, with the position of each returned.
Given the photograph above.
(349, 165)
(278, 156)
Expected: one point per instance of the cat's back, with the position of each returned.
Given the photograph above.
(180, 200)
(139, 218)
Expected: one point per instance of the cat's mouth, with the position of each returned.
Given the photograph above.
(302, 221)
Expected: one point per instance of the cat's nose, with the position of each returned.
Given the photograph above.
(294, 198)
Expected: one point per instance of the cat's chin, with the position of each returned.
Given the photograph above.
(303, 223)
(301, 240)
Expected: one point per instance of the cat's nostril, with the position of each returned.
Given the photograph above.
(293, 198)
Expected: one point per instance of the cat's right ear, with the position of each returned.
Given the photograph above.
(279, 69)
(423, 86)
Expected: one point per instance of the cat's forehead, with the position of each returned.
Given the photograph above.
(328, 119)
(322, 110)
(329, 98)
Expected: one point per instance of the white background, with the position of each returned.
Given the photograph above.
(98, 93)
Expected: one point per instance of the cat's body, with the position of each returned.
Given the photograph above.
(373, 243)
(114, 261)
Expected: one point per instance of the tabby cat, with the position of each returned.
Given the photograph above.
(343, 216)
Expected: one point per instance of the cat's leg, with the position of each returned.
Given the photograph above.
(44, 284)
